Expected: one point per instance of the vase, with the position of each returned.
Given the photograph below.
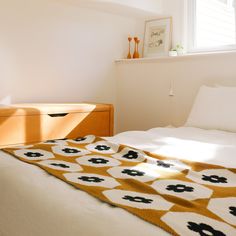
(129, 53)
(136, 48)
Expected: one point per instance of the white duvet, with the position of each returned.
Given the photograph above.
(33, 203)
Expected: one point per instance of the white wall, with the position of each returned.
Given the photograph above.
(54, 51)
(176, 9)
(143, 88)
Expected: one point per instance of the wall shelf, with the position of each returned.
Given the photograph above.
(185, 56)
(139, 9)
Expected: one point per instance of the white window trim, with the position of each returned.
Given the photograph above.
(191, 33)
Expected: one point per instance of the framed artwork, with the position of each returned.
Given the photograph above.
(157, 38)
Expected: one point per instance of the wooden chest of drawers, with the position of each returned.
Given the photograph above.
(29, 123)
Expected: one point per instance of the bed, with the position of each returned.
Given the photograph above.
(33, 202)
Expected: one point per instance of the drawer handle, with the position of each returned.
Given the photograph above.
(58, 115)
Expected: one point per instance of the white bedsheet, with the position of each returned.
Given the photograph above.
(33, 203)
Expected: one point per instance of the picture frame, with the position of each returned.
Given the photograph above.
(157, 37)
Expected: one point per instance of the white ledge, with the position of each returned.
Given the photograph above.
(185, 56)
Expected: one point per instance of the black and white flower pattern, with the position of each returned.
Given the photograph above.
(83, 140)
(164, 164)
(55, 142)
(225, 208)
(90, 179)
(133, 172)
(179, 188)
(168, 165)
(34, 154)
(193, 224)
(204, 229)
(214, 177)
(232, 210)
(140, 173)
(182, 189)
(61, 165)
(80, 139)
(69, 151)
(137, 200)
(130, 155)
(103, 147)
(97, 161)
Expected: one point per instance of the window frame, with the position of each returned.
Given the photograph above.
(191, 26)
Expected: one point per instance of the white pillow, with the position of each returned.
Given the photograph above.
(214, 108)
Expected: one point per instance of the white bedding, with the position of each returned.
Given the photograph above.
(32, 203)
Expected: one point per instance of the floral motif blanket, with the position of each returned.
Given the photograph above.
(181, 197)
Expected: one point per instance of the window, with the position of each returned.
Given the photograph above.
(212, 25)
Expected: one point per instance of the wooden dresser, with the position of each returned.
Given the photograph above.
(29, 123)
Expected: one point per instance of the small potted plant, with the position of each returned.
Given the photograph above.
(173, 52)
(178, 50)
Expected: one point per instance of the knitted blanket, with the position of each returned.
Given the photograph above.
(181, 197)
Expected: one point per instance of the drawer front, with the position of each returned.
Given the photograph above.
(29, 129)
